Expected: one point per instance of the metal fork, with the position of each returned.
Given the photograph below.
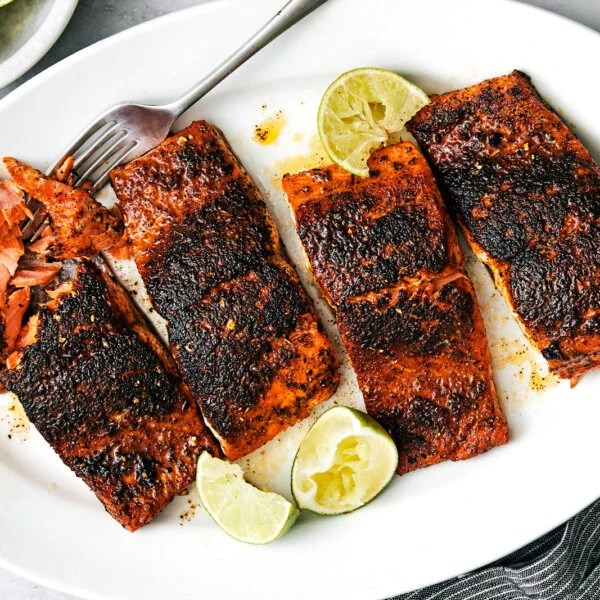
(128, 131)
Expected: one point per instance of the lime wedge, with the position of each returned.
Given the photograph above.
(344, 461)
(362, 110)
(241, 510)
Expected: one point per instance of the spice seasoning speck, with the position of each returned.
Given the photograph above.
(267, 132)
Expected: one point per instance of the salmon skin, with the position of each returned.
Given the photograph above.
(526, 194)
(241, 328)
(386, 256)
(101, 390)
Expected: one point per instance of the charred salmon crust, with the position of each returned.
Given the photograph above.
(195, 255)
(421, 361)
(241, 328)
(254, 355)
(526, 194)
(360, 235)
(386, 255)
(98, 391)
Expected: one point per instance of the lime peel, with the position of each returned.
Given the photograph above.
(244, 512)
(361, 111)
(344, 461)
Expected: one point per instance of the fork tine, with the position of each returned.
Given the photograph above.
(78, 143)
(31, 203)
(99, 138)
(98, 158)
(34, 226)
(117, 159)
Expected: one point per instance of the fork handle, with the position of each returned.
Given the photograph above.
(291, 13)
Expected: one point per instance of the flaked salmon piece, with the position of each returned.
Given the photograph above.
(16, 271)
(32, 272)
(9, 231)
(5, 277)
(42, 245)
(17, 304)
(12, 204)
(63, 172)
(11, 362)
(11, 250)
(12, 213)
(12, 306)
(10, 195)
(82, 227)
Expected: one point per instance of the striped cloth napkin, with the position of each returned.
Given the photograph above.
(562, 565)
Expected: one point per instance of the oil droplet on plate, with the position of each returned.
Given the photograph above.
(315, 156)
(539, 381)
(267, 132)
(13, 416)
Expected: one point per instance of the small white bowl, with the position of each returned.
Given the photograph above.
(28, 29)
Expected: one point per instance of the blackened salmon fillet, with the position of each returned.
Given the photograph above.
(526, 194)
(385, 254)
(102, 391)
(241, 328)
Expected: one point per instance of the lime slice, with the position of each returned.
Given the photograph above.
(344, 461)
(362, 110)
(241, 510)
